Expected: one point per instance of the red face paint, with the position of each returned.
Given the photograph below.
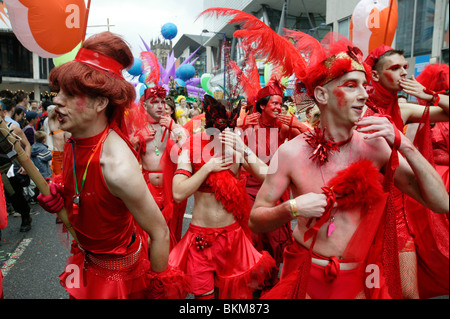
(340, 95)
(81, 102)
(395, 67)
(389, 76)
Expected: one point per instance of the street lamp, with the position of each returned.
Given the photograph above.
(224, 59)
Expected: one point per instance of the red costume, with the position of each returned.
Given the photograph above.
(221, 257)
(105, 229)
(110, 259)
(431, 230)
(227, 261)
(374, 242)
(275, 241)
(172, 212)
(357, 186)
(381, 101)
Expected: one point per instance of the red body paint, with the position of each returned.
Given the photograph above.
(340, 95)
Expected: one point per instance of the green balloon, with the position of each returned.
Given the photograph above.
(204, 83)
(67, 57)
(267, 73)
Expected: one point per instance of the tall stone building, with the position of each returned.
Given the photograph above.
(162, 49)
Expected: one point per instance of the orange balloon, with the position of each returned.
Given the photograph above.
(384, 35)
(50, 28)
(373, 24)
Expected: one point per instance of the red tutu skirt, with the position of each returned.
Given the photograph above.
(89, 276)
(222, 258)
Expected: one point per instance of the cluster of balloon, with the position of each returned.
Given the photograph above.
(51, 29)
(184, 75)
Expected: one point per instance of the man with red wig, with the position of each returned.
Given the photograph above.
(389, 76)
(344, 241)
(102, 188)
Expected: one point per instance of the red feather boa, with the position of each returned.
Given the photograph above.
(357, 186)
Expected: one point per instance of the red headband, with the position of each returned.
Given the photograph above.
(156, 91)
(100, 62)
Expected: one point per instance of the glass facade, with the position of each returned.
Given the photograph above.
(15, 60)
(445, 42)
(423, 35)
(415, 26)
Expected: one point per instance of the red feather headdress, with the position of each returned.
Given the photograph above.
(151, 65)
(265, 42)
(327, 60)
(248, 76)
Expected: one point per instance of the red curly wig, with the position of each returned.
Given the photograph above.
(77, 78)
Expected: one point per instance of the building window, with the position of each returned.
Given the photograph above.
(15, 60)
(415, 26)
(344, 27)
(405, 26)
(445, 44)
(423, 40)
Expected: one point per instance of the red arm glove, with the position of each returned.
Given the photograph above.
(54, 202)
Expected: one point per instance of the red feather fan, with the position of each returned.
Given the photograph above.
(248, 77)
(265, 42)
(151, 65)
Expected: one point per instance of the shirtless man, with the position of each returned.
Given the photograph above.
(161, 128)
(334, 268)
(389, 77)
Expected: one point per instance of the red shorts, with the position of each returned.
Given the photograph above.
(227, 261)
(344, 284)
(156, 191)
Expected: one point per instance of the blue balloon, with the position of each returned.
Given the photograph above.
(136, 68)
(185, 72)
(142, 90)
(142, 77)
(180, 82)
(169, 31)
